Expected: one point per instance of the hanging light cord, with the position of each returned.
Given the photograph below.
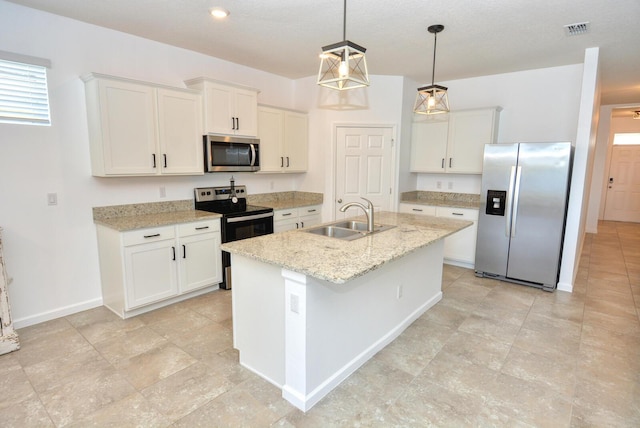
(344, 22)
(433, 70)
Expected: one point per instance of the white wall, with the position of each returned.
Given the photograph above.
(538, 106)
(582, 170)
(51, 251)
(379, 104)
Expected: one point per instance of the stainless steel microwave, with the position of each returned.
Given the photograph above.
(229, 153)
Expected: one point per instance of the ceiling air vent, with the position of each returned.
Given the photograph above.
(576, 29)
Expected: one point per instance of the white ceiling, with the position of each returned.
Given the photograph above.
(284, 37)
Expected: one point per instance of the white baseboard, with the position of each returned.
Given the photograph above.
(562, 286)
(305, 403)
(57, 313)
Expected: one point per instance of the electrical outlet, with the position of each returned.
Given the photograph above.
(439, 184)
(450, 184)
(52, 198)
(399, 292)
(271, 184)
(163, 192)
(295, 304)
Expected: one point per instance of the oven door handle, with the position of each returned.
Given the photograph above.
(249, 217)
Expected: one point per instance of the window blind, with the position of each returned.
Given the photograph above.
(24, 97)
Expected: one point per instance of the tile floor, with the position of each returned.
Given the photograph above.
(489, 354)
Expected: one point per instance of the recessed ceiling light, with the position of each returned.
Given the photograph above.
(219, 12)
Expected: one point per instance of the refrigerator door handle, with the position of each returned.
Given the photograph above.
(516, 197)
(512, 180)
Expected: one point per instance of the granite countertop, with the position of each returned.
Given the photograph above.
(285, 200)
(153, 214)
(340, 261)
(441, 199)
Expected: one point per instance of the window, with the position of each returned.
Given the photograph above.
(626, 139)
(24, 97)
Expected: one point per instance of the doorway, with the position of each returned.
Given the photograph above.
(364, 168)
(622, 201)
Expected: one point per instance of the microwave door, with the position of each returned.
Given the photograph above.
(243, 154)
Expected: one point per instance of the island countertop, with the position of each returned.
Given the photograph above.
(340, 261)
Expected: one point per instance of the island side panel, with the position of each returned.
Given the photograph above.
(332, 329)
(258, 317)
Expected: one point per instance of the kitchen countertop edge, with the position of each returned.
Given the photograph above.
(126, 223)
(339, 261)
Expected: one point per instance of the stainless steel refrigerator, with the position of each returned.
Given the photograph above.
(523, 206)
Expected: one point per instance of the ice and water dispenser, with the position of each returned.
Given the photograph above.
(496, 202)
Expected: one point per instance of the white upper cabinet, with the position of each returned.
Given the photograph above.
(136, 128)
(453, 143)
(228, 109)
(284, 140)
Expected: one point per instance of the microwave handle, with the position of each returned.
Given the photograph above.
(253, 154)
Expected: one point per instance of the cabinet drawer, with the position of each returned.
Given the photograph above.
(307, 211)
(285, 214)
(199, 227)
(143, 236)
(417, 209)
(460, 213)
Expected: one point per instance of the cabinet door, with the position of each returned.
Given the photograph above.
(461, 246)
(429, 146)
(417, 209)
(270, 132)
(246, 112)
(200, 261)
(180, 132)
(309, 216)
(284, 220)
(219, 110)
(296, 141)
(150, 271)
(128, 120)
(469, 131)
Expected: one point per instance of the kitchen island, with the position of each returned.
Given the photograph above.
(308, 310)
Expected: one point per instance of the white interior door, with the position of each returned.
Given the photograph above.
(363, 168)
(623, 193)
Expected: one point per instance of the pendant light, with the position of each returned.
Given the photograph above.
(432, 99)
(343, 64)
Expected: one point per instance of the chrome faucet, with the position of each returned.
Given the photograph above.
(368, 210)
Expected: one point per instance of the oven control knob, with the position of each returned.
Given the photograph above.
(234, 200)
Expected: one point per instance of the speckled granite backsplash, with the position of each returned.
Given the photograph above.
(278, 198)
(440, 198)
(141, 209)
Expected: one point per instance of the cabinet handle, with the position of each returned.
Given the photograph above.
(457, 213)
(233, 123)
(154, 160)
(287, 161)
(286, 214)
(450, 159)
(416, 209)
(155, 235)
(164, 155)
(302, 224)
(281, 162)
(311, 211)
(237, 123)
(184, 251)
(202, 227)
(442, 163)
(297, 226)
(174, 252)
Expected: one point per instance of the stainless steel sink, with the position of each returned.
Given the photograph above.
(346, 230)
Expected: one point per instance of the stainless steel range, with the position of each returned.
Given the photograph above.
(239, 220)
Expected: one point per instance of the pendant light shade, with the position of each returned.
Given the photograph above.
(432, 99)
(343, 64)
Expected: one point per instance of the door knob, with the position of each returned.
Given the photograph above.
(339, 201)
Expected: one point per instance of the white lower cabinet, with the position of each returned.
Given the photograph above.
(459, 248)
(149, 268)
(296, 218)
